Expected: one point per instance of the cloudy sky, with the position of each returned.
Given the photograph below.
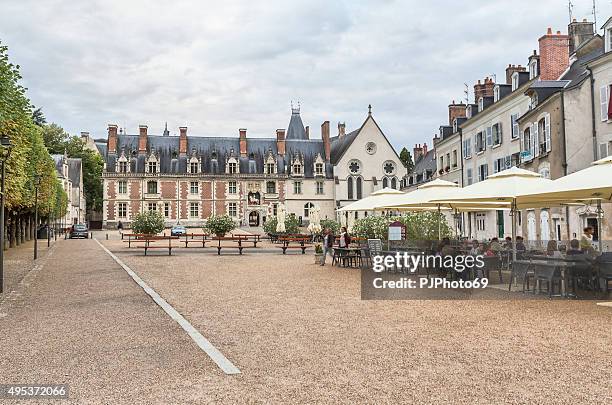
(219, 66)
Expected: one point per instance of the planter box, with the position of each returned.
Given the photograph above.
(318, 258)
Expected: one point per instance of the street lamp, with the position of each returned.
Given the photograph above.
(37, 180)
(5, 145)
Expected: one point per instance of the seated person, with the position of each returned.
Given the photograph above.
(520, 246)
(574, 248)
(475, 250)
(495, 246)
(552, 250)
(488, 252)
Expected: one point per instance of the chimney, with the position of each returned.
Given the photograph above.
(510, 71)
(417, 152)
(326, 140)
(112, 138)
(579, 32)
(280, 141)
(341, 129)
(243, 142)
(142, 139)
(307, 131)
(455, 111)
(483, 89)
(554, 55)
(424, 149)
(183, 141)
(85, 136)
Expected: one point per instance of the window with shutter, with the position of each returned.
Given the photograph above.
(495, 166)
(535, 150)
(603, 150)
(489, 136)
(514, 125)
(610, 102)
(470, 178)
(508, 163)
(604, 97)
(547, 132)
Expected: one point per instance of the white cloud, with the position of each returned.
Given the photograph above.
(219, 67)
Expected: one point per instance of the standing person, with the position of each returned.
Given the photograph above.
(328, 245)
(120, 227)
(495, 246)
(345, 239)
(586, 240)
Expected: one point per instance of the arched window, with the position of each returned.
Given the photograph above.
(349, 182)
(307, 208)
(394, 183)
(385, 182)
(359, 188)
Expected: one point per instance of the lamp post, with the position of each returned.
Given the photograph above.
(36, 185)
(5, 143)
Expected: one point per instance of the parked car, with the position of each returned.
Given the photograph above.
(79, 231)
(178, 230)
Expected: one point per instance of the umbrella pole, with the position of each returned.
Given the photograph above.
(513, 212)
(439, 224)
(600, 226)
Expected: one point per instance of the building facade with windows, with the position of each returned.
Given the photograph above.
(190, 178)
(70, 174)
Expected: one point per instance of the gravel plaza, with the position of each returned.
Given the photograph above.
(298, 333)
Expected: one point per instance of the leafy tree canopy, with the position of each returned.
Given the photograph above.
(406, 158)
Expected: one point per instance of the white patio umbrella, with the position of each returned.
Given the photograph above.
(280, 218)
(315, 220)
(592, 183)
(368, 203)
(421, 199)
(503, 187)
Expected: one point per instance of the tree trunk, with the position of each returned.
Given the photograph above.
(17, 230)
(12, 231)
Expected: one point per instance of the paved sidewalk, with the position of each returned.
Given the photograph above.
(19, 260)
(83, 321)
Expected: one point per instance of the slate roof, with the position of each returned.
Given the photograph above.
(74, 171)
(296, 129)
(59, 163)
(339, 145)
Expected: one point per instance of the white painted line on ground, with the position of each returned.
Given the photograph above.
(212, 352)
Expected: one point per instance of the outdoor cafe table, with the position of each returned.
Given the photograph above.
(348, 252)
(563, 264)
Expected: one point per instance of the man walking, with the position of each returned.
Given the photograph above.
(328, 245)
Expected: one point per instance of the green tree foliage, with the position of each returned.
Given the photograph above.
(148, 222)
(29, 157)
(406, 158)
(331, 224)
(38, 117)
(59, 141)
(292, 224)
(220, 224)
(419, 226)
(371, 227)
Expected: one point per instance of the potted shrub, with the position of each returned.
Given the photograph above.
(318, 253)
(148, 223)
(220, 225)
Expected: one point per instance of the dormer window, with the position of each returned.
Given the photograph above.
(534, 101)
(194, 163)
(515, 81)
(193, 167)
(123, 162)
(297, 166)
(608, 34)
(232, 167)
(533, 69)
(496, 94)
(152, 166)
(480, 104)
(319, 166)
(468, 112)
(455, 126)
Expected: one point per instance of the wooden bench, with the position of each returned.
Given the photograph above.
(303, 243)
(135, 238)
(199, 238)
(154, 239)
(239, 239)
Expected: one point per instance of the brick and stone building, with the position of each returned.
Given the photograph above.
(189, 178)
(70, 174)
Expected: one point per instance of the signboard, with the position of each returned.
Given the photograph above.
(397, 231)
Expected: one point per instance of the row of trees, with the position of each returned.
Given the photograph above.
(29, 159)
